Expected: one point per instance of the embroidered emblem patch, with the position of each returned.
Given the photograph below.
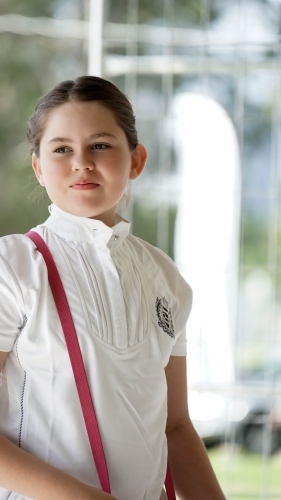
(164, 316)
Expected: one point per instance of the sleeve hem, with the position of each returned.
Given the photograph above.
(179, 349)
(6, 345)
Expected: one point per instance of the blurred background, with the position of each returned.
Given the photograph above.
(204, 80)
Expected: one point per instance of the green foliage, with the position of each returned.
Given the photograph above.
(257, 236)
(254, 242)
(194, 13)
(244, 476)
(180, 12)
(30, 66)
(146, 225)
(32, 8)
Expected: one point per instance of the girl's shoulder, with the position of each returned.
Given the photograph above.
(148, 251)
(151, 255)
(15, 247)
(18, 258)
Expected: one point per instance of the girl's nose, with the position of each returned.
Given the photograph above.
(83, 161)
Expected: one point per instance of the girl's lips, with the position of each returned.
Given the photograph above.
(84, 185)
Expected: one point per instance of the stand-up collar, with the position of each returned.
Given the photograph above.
(74, 228)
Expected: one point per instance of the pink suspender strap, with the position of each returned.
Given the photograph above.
(76, 360)
(79, 369)
(169, 485)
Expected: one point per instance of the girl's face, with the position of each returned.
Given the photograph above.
(85, 161)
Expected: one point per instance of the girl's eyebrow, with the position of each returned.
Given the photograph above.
(93, 136)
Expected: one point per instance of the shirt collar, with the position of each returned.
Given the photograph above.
(75, 228)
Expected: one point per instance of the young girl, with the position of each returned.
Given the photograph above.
(129, 306)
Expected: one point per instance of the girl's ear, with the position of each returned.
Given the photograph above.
(139, 157)
(35, 162)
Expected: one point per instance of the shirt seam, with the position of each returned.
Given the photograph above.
(23, 386)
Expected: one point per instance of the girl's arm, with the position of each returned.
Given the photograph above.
(31, 477)
(26, 474)
(191, 469)
(3, 357)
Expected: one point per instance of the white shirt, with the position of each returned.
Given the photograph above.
(129, 306)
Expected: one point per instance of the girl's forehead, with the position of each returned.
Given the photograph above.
(79, 116)
(76, 109)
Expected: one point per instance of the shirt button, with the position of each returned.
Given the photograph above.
(116, 237)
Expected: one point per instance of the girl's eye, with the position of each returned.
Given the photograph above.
(100, 146)
(62, 149)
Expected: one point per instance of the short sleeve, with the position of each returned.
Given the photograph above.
(181, 305)
(11, 303)
(180, 347)
(177, 295)
(180, 300)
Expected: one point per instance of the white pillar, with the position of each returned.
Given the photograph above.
(95, 48)
(207, 233)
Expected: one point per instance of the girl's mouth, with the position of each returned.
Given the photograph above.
(84, 185)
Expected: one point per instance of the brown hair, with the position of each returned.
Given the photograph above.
(84, 88)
